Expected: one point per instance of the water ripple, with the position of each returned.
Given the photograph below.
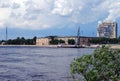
(36, 63)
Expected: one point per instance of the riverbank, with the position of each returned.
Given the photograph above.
(45, 46)
(113, 46)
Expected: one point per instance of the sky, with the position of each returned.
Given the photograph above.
(29, 18)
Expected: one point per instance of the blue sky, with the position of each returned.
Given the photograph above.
(29, 18)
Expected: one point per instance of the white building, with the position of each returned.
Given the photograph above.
(107, 29)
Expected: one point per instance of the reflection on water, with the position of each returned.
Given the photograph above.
(37, 64)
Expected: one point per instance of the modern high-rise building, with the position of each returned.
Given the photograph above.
(107, 29)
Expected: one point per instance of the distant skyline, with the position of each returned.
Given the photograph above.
(29, 18)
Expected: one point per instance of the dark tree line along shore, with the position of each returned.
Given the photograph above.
(55, 41)
(105, 41)
(19, 41)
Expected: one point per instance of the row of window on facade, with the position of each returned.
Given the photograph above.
(107, 29)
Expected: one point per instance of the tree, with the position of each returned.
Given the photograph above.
(61, 41)
(102, 65)
(105, 40)
(54, 42)
(34, 40)
(71, 41)
(21, 41)
(17, 41)
(52, 37)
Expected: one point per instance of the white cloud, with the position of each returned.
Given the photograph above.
(15, 5)
(62, 7)
(43, 14)
(114, 11)
(3, 13)
(111, 7)
(1, 24)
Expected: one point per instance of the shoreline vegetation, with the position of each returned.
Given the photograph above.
(102, 65)
(55, 43)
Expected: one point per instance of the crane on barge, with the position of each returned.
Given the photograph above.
(77, 45)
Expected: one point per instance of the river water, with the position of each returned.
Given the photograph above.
(37, 64)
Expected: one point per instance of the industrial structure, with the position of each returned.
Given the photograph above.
(107, 29)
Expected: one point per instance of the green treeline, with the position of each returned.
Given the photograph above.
(19, 41)
(105, 40)
(55, 41)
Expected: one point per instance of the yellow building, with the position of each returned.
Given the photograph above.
(42, 41)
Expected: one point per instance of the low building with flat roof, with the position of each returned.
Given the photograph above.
(46, 40)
